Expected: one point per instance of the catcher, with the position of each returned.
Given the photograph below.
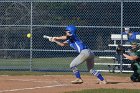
(85, 54)
(135, 65)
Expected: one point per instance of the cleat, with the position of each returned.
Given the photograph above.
(77, 81)
(102, 82)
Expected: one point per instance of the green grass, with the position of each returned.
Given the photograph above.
(32, 73)
(19, 73)
(107, 91)
(49, 63)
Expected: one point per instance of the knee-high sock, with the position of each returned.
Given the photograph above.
(76, 72)
(97, 74)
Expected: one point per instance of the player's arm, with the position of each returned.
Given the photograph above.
(61, 43)
(130, 57)
(60, 38)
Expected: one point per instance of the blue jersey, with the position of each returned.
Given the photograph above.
(76, 43)
(131, 38)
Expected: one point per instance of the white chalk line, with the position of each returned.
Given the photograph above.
(31, 80)
(36, 81)
(32, 88)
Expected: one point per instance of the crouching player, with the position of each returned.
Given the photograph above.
(85, 54)
(135, 65)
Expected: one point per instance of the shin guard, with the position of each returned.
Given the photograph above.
(97, 74)
(76, 72)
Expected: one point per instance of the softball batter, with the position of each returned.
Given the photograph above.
(85, 54)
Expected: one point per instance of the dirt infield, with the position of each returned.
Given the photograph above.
(59, 84)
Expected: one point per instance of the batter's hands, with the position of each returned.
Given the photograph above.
(53, 39)
(50, 39)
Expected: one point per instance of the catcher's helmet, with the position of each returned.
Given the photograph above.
(72, 29)
(134, 43)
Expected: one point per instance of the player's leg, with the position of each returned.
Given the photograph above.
(99, 76)
(135, 77)
(77, 61)
(78, 79)
(95, 72)
(90, 64)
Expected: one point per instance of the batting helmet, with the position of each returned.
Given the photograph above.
(72, 29)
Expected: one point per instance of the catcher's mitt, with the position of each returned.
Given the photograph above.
(120, 50)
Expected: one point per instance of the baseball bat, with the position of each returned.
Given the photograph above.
(47, 37)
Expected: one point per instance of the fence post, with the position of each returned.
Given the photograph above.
(31, 24)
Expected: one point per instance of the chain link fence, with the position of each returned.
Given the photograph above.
(96, 20)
